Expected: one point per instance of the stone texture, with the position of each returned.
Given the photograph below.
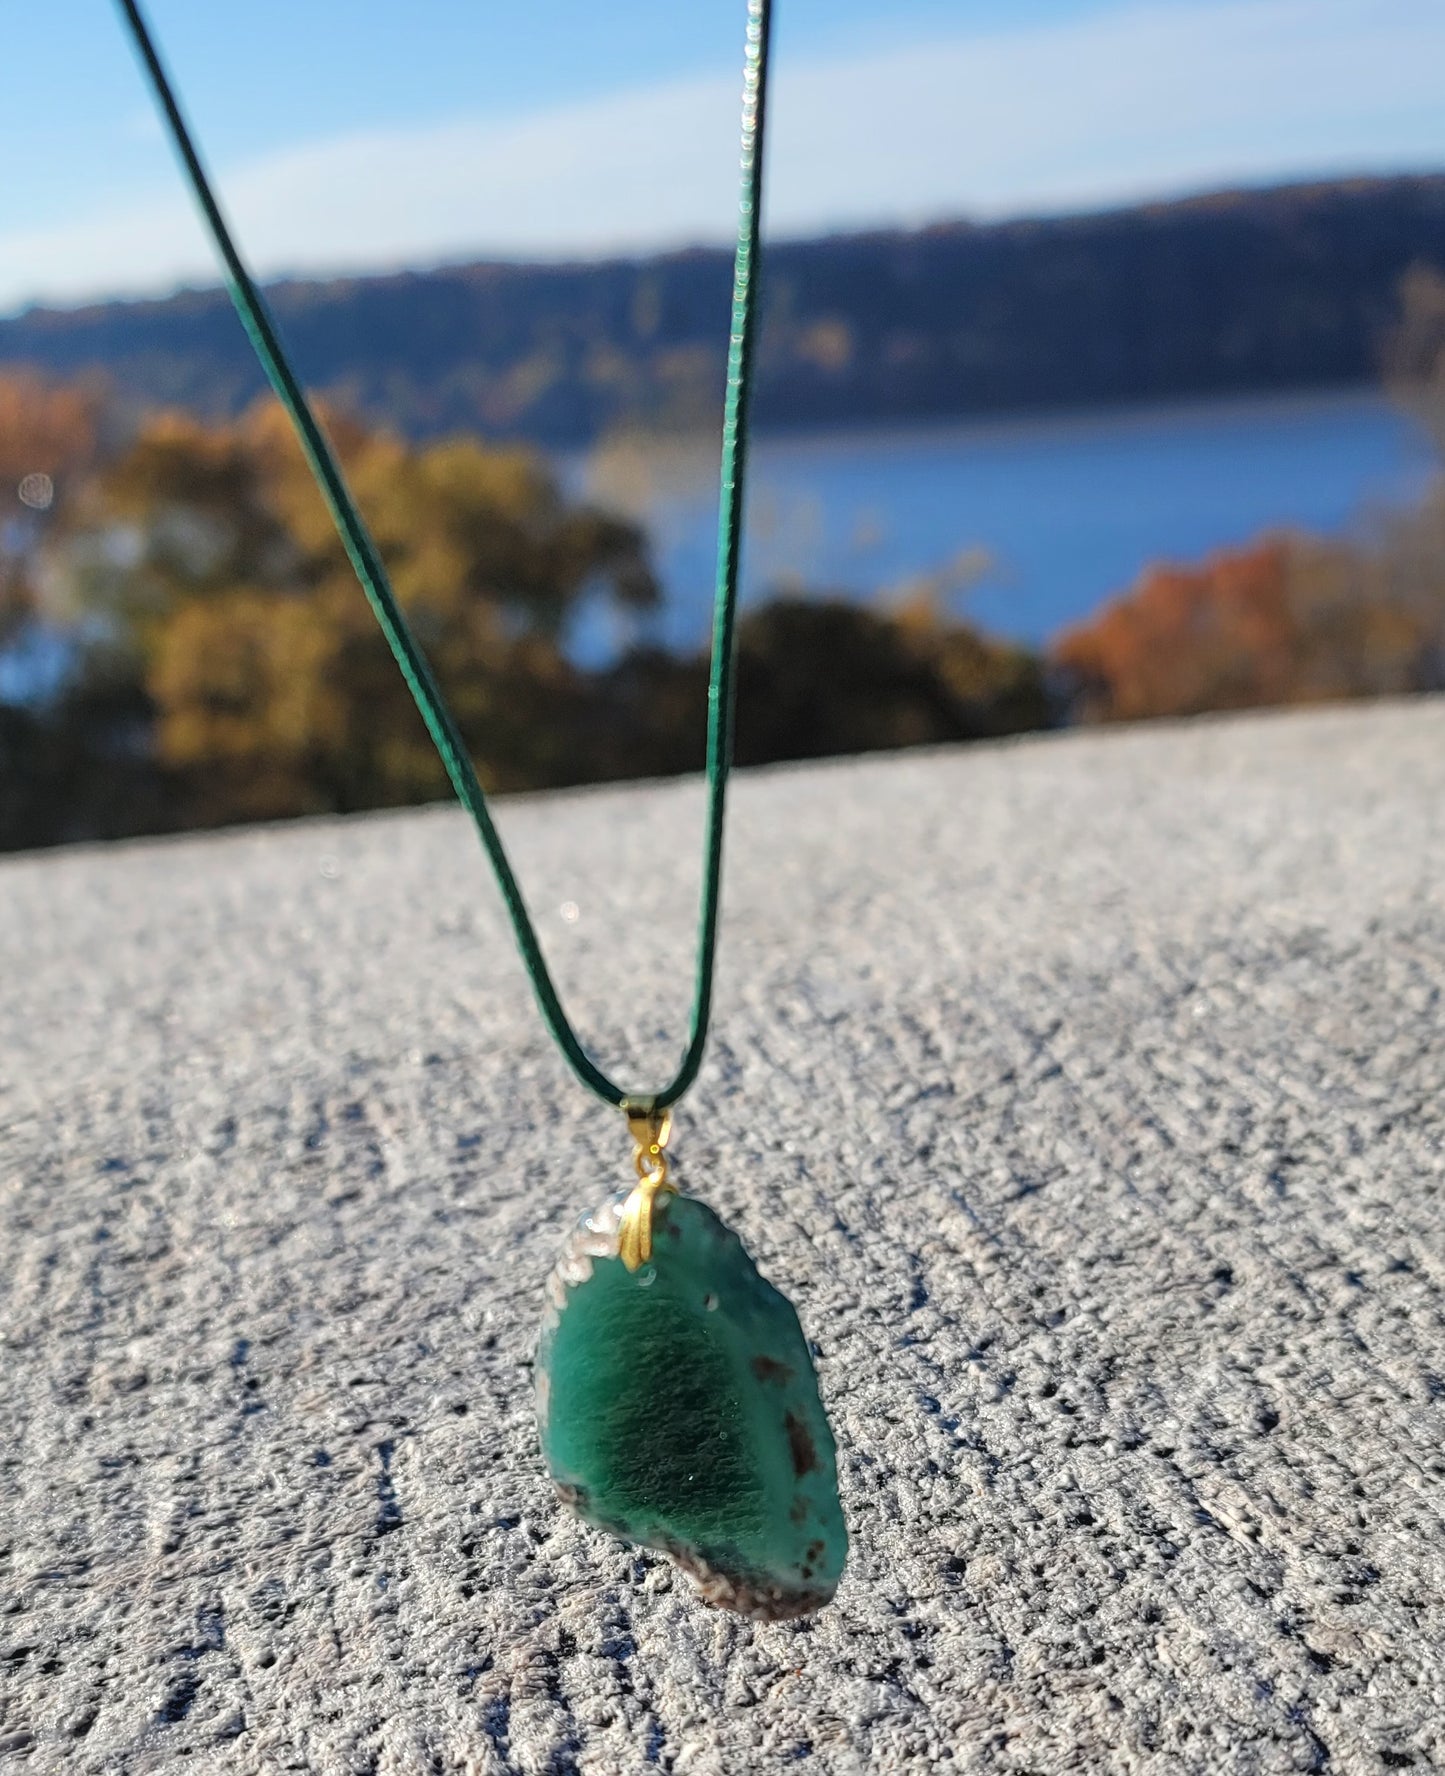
(1085, 1095)
(677, 1407)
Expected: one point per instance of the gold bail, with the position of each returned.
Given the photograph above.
(650, 1129)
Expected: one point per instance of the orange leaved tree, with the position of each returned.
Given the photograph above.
(1286, 620)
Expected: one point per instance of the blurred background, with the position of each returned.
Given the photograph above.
(1102, 377)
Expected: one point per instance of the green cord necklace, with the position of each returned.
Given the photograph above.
(677, 1401)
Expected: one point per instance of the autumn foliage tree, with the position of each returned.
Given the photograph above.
(274, 693)
(68, 765)
(1288, 620)
(49, 436)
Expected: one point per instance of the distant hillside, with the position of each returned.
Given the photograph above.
(1289, 288)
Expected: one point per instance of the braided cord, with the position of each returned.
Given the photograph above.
(260, 326)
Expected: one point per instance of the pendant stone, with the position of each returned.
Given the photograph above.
(678, 1408)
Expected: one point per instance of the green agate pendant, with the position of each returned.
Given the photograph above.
(678, 1406)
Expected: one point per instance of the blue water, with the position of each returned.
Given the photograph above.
(1043, 519)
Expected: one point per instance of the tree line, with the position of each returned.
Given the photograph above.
(1237, 291)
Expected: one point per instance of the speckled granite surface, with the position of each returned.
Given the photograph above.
(1086, 1096)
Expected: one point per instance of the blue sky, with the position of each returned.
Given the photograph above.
(360, 135)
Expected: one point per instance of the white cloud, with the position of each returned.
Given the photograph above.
(1136, 101)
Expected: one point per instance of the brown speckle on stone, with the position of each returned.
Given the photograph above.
(800, 1445)
(770, 1369)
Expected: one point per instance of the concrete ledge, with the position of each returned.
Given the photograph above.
(1086, 1094)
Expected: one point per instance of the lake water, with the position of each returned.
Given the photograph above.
(1023, 525)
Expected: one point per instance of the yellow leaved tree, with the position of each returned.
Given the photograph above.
(214, 562)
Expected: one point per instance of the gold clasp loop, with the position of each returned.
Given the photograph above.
(650, 1129)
